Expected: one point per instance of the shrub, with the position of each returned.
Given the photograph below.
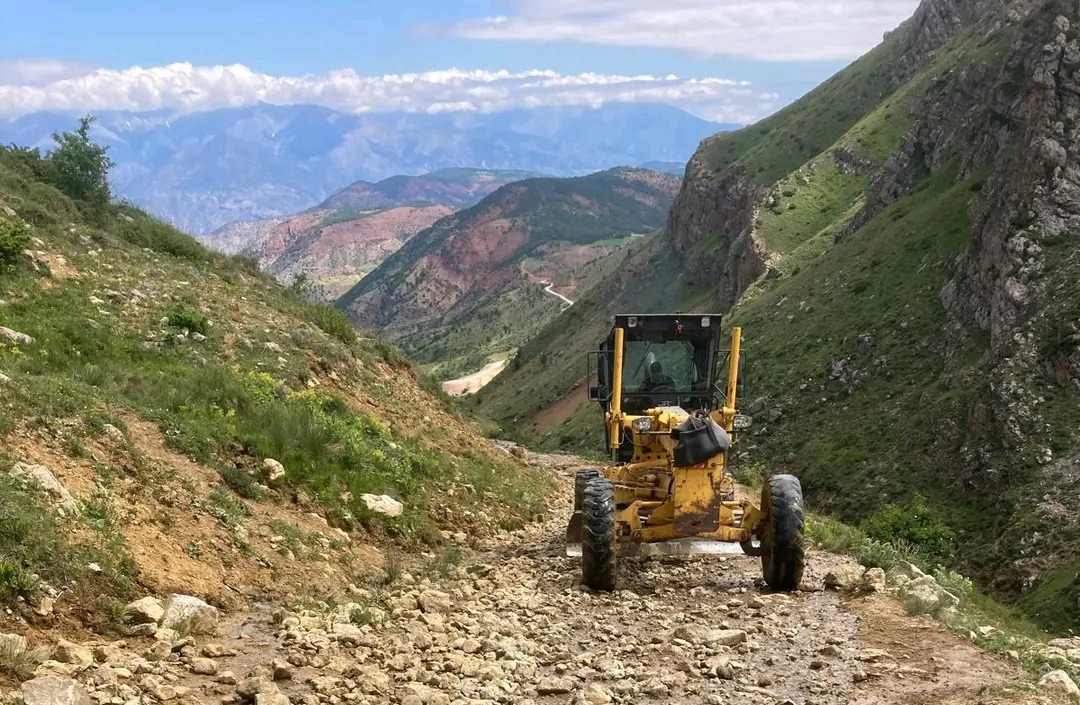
(186, 316)
(916, 525)
(332, 322)
(14, 238)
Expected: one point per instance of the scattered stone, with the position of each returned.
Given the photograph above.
(925, 596)
(114, 433)
(147, 610)
(710, 637)
(42, 477)
(555, 686)
(53, 690)
(383, 504)
(435, 601)
(189, 614)
(15, 337)
(203, 666)
(903, 572)
(281, 670)
(846, 577)
(873, 580)
(1059, 682)
(75, 654)
(273, 470)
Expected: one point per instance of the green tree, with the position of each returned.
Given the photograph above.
(79, 167)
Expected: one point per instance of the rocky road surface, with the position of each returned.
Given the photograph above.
(509, 623)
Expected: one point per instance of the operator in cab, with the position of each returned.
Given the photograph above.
(657, 379)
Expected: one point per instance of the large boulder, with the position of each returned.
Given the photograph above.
(273, 470)
(40, 476)
(189, 615)
(53, 690)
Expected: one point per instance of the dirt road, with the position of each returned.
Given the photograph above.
(473, 383)
(509, 623)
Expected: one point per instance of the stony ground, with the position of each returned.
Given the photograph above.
(508, 623)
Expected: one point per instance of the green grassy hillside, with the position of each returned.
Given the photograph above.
(153, 378)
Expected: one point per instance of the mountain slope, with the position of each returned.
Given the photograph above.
(208, 433)
(899, 247)
(202, 170)
(335, 249)
(348, 235)
(539, 230)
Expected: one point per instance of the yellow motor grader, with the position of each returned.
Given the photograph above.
(669, 424)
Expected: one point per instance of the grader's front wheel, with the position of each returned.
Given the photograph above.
(599, 564)
(783, 543)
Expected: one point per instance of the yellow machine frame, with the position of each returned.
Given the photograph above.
(656, 500)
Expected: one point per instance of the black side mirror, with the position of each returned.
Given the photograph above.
(599, 393)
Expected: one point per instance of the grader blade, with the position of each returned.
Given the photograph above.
(573, 535)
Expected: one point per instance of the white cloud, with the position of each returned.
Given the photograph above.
(40, 72)
(183, 87)
(768, 30)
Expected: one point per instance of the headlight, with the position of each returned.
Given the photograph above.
(743, 422)
(643, 424)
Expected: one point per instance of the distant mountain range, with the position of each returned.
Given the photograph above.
(202, 170)
(343, 238)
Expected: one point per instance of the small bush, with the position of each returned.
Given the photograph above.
(332, 322)
(14, 238)
(187, 317)
(915, 525)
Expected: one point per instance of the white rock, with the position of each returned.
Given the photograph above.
(873, 580)
(435, 601)
(42, 477)
(15, 337)
(903, 572)
(845, 577)
(203, 666)
(1060, 682)
(147, 610)
(383, 504)
(273, 470)
(190, 614)
(53, 690)
(75, 654)
(925, 596)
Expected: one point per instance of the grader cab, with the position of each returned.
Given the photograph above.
(669, 418)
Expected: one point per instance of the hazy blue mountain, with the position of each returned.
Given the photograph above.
(204, 169)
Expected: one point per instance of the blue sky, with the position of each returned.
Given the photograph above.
(772, 50)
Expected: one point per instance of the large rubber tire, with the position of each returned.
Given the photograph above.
(783, 544)
(599, 565)
(583, 476)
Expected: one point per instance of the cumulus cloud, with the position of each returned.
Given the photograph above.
(183, 87)
(768, 30)
(39, 72)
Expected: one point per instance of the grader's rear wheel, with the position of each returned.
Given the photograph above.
(599, 564)
(783, 542)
